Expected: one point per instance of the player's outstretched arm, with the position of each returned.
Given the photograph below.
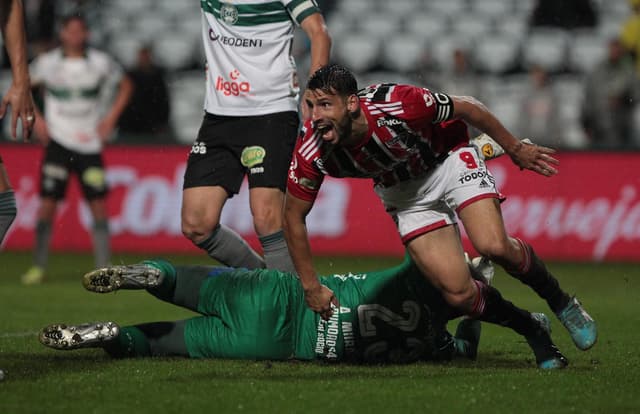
(316, 29)
(19, 94)
(488, 148)
(318, 297)
(532, 157)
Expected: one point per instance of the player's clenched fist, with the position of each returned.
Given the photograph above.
(320, 299)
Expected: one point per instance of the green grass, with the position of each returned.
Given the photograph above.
(503, 379)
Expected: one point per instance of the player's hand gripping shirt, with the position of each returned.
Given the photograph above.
(390, 315)
(75, 89)
(384, 316)
(409, 133)
(250, 70)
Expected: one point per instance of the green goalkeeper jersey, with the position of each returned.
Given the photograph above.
(384, 316)
(392, 315)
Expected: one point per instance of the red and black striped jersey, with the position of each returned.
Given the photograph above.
(410, 131)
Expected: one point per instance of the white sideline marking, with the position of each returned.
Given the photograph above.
(18, 334)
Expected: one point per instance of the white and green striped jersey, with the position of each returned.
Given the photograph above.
(250, 70)
(74, 88)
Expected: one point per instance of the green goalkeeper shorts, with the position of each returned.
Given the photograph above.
(245, 317)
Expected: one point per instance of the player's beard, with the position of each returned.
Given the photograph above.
(336, 132)
(343, 129)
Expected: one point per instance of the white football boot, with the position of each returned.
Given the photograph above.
(86, 335)
(108, 279)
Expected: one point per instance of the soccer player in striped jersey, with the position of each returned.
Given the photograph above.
(75, 78)
(250, 123)
(18, 98)
(393, 315)
(413, 143)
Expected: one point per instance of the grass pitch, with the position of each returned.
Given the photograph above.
(503, 379)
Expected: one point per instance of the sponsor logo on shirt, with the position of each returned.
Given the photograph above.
(234, 41)
(388, 122)
(234, 86)
(74, 112)
(473, 176)
(308, 183)
(292, 170)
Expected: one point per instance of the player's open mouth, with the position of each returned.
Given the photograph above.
(324, 130)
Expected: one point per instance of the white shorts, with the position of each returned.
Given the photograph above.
(430, 202)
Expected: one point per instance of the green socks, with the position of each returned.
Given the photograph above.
(131, 342)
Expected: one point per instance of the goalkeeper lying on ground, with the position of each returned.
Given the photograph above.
(392, 315)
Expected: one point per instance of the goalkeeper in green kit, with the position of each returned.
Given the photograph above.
(393, 315)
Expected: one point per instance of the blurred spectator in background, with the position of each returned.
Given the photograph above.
(89, 9)
(462, 79)
(146, 117)
(539, 115)
(609, 99)
(40, 22)
(630, 33)
(75, 78)
(565, 14)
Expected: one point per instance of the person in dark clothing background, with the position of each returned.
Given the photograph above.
(147, 114)
(566, 14)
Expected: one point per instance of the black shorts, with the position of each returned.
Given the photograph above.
(228, 147)
(59, 162)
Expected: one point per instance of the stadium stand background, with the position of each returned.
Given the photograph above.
(399, 40)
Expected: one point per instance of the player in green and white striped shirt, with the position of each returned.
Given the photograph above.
(250, 123)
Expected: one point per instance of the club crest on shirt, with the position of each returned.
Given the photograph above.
(228, 13)
(487, 150)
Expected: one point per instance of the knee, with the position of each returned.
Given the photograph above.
(196, 228)
(99, 210)
(461, 298)
(267, 220)
(495, 249)
(47, 209)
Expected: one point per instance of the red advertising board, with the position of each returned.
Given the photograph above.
(590, 211)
